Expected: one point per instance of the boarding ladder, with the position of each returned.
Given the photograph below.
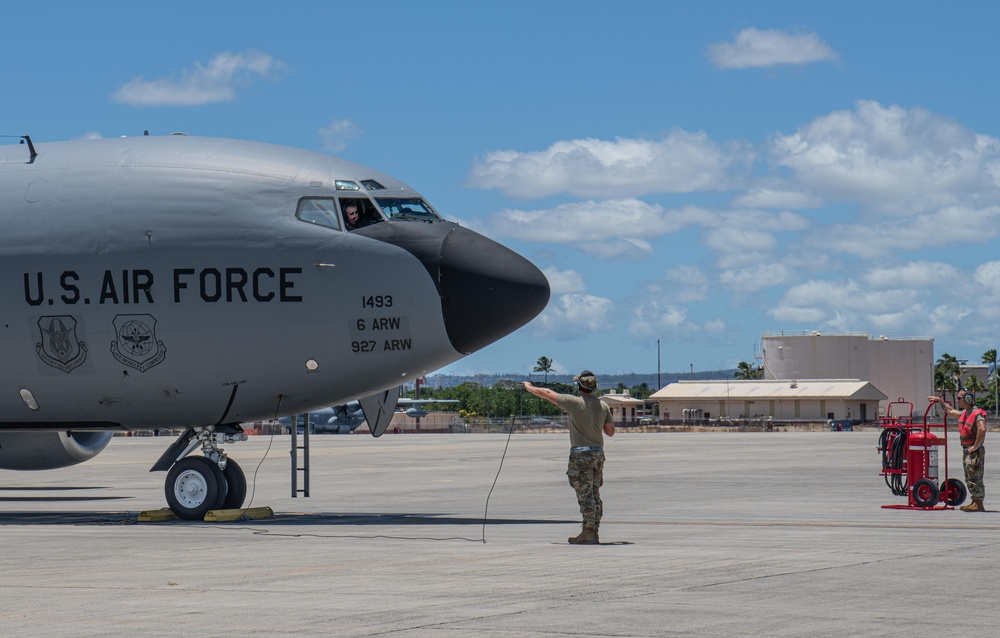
(300, 464)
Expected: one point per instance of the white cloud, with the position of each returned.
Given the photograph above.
(728, 239)
(564, 281)
(769, 47)
(756, 277)
(949, 226)
(743, 238)
(914, 276)
(338, 135)
(846, 295)
(682, 162)
(684, 284)
(590, 221)
(215, 82)
(986, 280)
(776, 199)
(789, 314)
(944, 319)
(888, 299)
(903, 161)
(761, 220)
(717, 326)
(890, 322)
(573, 316)
(618, 247)
(654, 318)
(625, 228)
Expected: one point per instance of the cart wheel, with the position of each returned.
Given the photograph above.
(925, 493)
(953, 492)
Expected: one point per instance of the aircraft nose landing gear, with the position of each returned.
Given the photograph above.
(196, 485)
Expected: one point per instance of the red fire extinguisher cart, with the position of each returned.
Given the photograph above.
(911, 455)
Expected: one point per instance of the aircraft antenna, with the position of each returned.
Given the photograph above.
(31, 147)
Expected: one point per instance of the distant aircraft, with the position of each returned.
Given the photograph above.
(182, 282)
(344, 419)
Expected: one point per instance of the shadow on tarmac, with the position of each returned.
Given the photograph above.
(290, 519)
(39, 498)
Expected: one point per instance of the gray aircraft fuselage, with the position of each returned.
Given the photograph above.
(155, 282)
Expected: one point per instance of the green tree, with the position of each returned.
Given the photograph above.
(544, 364)
(974, 384)
(947, 372)
(641, 391)
(746, 372)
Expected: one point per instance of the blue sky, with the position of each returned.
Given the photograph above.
(697, 173)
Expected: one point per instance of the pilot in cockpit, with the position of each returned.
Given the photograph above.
(352, 219)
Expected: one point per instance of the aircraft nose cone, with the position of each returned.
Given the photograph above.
(487, 290)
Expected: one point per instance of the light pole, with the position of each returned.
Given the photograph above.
(659, 384)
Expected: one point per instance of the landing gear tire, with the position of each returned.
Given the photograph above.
(925, 493)
(195, 485)
(237, 483)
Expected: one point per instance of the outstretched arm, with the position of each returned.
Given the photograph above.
(950, 411)
(542, 393)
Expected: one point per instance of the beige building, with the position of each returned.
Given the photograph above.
(981, 372)
(624, 407)
(898, 367)
(809, 400)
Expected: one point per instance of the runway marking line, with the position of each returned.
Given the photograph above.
(804, 524)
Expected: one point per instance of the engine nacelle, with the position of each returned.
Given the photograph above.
(49, 450)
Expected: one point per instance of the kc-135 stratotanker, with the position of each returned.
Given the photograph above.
(196, 283)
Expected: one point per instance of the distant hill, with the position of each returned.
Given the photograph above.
(607, 381)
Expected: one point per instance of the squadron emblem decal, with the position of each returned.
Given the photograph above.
(136, 343)
(59, 347)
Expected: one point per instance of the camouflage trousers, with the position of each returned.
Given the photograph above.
(586, 476)
(974, 464)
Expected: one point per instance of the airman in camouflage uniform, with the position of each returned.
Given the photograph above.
(972, 431)
(589, 420)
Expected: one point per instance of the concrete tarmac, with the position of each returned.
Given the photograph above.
(704, 534)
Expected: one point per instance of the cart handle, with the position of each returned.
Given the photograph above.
(930, 404)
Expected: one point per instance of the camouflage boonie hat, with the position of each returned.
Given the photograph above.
(586, 380)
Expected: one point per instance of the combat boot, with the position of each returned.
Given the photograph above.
(975, 506)
(588, 536)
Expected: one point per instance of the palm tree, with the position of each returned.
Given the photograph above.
(974, 384)
(745, 371)
(950, 371)
(544, 364)
(990, 357)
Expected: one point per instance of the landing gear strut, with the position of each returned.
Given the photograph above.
(196, 485)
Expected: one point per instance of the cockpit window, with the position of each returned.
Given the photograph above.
(402, 208)
(345, 185)
(318, 210)
(372, 185)
(359, 212)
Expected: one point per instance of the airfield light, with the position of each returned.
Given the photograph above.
(312, 365)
